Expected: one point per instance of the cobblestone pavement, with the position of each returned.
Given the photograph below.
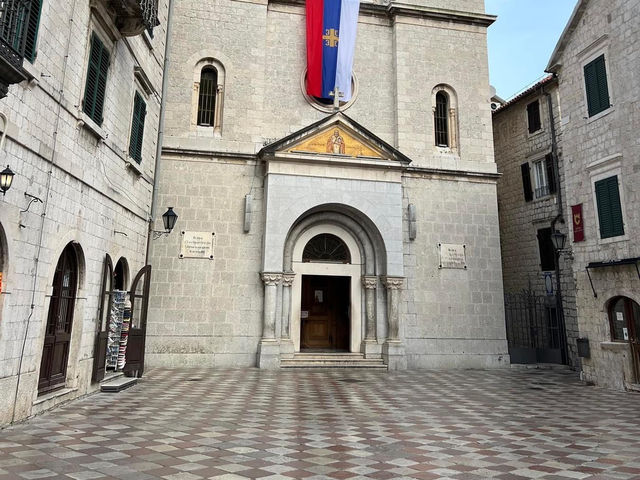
(339, 424)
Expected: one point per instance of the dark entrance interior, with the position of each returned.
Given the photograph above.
(325, 322)
(55, 354)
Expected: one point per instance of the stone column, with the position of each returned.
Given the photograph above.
(286, 344)
(393, 350)
(269, 349)
(370, 345)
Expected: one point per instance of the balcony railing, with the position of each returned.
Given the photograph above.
(14, 25)
(135, 16)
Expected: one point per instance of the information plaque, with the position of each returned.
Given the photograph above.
(197, 245)
(453, 256)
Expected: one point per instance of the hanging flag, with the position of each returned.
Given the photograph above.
(331, 39)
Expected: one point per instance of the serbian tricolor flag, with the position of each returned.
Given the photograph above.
(331, 39)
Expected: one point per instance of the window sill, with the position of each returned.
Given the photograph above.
(92, 126)
(598, 116)
(536, 133)
(134, 166)
(606, 241)
(615, 346)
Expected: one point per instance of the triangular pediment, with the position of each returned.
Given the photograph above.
(335, 137)
(337, 140)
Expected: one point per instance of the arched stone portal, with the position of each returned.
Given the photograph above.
(372, 320)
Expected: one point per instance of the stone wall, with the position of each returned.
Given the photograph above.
(453, 318)
(90, 195)
(520, 220)
(605, 144)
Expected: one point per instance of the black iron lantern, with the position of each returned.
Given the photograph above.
(6, 179)
(169, 219)
(558, 239)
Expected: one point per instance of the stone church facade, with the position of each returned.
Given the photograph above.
(370, 230)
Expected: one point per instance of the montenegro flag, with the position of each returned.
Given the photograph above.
(331, 39)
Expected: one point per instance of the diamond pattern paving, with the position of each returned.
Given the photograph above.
(193, 424)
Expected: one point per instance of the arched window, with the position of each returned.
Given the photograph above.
(121, 274)
(441, 119)
(208, 90)
(445, 123)
(624, 319)
(207, 96)
(326, 248)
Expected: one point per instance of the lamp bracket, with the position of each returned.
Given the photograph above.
(32, 199)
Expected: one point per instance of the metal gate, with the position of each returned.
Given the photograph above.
(534, 331)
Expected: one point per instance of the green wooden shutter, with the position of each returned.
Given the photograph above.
(32, 31)
(94, 93)
(609, 208)
(137, 128)
(526, 182)
(595, 78)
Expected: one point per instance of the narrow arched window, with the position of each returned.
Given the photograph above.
(441, 120)
(207, 96)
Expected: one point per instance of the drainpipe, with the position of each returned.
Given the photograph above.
(163, 105)
(558, 217)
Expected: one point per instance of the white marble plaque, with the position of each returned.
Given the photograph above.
(197, 245)
(453, 256)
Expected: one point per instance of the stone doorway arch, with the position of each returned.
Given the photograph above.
(374, 310)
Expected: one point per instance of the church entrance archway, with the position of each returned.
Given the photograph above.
(325, 322)
(55, 353)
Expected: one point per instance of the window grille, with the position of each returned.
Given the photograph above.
(441, 118)
(207, 96)
(326, 248)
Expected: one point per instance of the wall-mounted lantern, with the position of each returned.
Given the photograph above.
(6, 179)
(169, 219)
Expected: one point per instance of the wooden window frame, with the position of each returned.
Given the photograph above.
(534, 117)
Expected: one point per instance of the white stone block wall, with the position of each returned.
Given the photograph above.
(610, 28)
(453, 318)
(89, 194)
(207, 312)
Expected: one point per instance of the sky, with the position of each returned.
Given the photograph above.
(522, 40)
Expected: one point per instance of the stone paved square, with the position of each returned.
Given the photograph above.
(192, 424)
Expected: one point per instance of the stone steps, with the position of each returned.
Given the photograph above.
(117, 384)
(332, 360)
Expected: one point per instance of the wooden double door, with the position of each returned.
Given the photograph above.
(55, 353)
(325, 313)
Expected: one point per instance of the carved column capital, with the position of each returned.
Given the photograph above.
(271, 279)
(393, 283)
(287, 279)
(369, 282)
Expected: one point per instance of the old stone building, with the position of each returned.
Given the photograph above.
(363, 236)
(79, 132)
(528, 148)
(596, 63)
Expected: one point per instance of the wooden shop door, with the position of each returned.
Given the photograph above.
(55, 353)
(325, 321)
